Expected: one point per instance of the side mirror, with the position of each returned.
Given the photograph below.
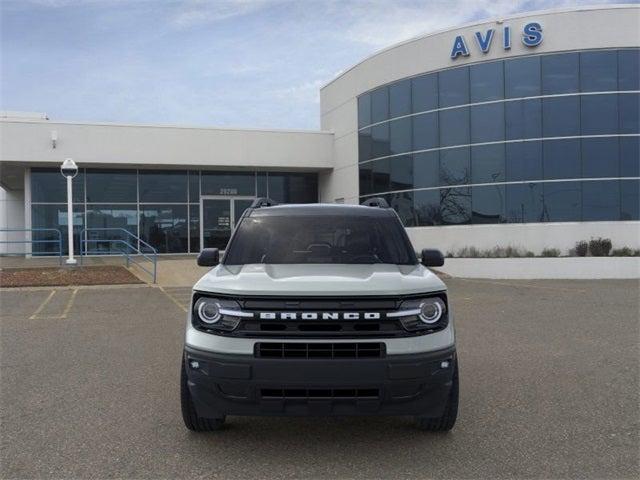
(209, 257)
(432, 258)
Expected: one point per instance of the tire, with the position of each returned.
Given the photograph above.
(191, 419)
(448, 418)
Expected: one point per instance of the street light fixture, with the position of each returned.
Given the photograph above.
(69, 169)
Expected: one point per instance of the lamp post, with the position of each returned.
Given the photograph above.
(69, 169)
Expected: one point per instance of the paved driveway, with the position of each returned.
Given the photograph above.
(549, 388)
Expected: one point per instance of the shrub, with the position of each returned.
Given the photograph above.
(581, 248)
(625, 252)
(600, 247)
(550, 252)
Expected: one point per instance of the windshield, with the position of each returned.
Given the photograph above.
(345, 239)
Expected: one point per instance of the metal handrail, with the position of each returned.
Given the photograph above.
(32, 241)
(150, 256)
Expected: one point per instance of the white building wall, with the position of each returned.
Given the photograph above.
(11, 217)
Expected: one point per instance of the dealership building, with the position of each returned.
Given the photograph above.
(520, 131)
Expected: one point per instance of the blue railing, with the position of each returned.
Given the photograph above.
(132, 248)
(57, 240)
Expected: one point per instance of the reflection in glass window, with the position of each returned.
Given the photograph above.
(630, 199)
(599, 71)
(194, 227)
(630, 156)
(523, 161)
(425, 131)
(401, 172)
(402, 203)
(524, 203)
(165, 227)
(366, 178)
(163, 186)
(487, 164)
(262, 184)
(424, 93)
(49, 186)
(427, 207)
(228, 183)
(53, 216)
(293, 187)
(600, 200)
(455, 205)
(562, 202)
(599, 114)
(400, 135)
(560, 73)
(454, 127)
(115, 218)
(488, 204)
(426, 169)
(453, 86)
(364, 110)
(523, 119)
(629, 69)
(194, 186)
(629, 113)
(522, 77)
(117, 186)
(380, 140)
(561, 159)
(400, 99)
(487, 123)
(561, 116)
(379, 104)
(381, 175)
(365, 147)
(487, 81)
(454, 166)
(600, 157)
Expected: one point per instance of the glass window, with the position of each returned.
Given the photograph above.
(400, 98)
(524, 203)
(116, 186)
(630, 156)
(426, 169)
(560, 73)
(54, 216)
(600, 157)
(381, 175)
(600, 200)
(365, 146)
(455, 206)
(629, 113)
(115, 218)
(262, 184)
(400, 135)
(194, 227)
(293, 187)
(401, 172)
(454, 127)
(561, 159)
(49, 186)
(427, 207)
(194, 186)
(523, 161)
(562, 201)
(522, 77)
(629, 69)
(599, 71)
(453, 87)
(165, 227)
(488, 204)
(630, 198)
(424, 93)
(599, 114)
(364, 110)
(366, 178)
(380, 104)
(454, 166)
(487, 123)
(380, 141)
(163, 186)
(487, 164)
(425, 131)
(523, 119)
(487, 81)
(402, 203)
(228, 183)
(561, 117)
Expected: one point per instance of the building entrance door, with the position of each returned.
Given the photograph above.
(218, 218)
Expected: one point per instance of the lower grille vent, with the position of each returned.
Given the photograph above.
(319, 350)
(332, 393)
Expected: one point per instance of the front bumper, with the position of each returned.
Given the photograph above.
(226, 384)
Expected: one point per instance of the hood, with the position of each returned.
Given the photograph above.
(319, 280)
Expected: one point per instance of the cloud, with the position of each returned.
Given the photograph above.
(191, 13)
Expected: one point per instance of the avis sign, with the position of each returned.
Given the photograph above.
(531, 37)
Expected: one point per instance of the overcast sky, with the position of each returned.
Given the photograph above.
(244, 63)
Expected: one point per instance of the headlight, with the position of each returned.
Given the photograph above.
(431, 310)
(216, 314)
(208, 310)
(423, 313)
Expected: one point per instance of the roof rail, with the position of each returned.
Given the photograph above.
(263, 202)
(375, 202)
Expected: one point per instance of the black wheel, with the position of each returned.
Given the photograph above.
(191, 419)
(448, 418)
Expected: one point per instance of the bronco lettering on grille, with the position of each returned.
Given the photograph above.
(319, 315)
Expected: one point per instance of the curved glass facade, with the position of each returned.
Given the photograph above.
(545, 138)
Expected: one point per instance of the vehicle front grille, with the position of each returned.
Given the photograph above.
(312, 393)
(319, 350)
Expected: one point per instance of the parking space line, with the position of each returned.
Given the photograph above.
(38, 316)
(173, 299)
(69, 304)
(42, 305)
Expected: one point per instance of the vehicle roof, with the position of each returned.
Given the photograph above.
(310, 209)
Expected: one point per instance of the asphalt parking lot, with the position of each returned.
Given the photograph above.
(549, 389)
